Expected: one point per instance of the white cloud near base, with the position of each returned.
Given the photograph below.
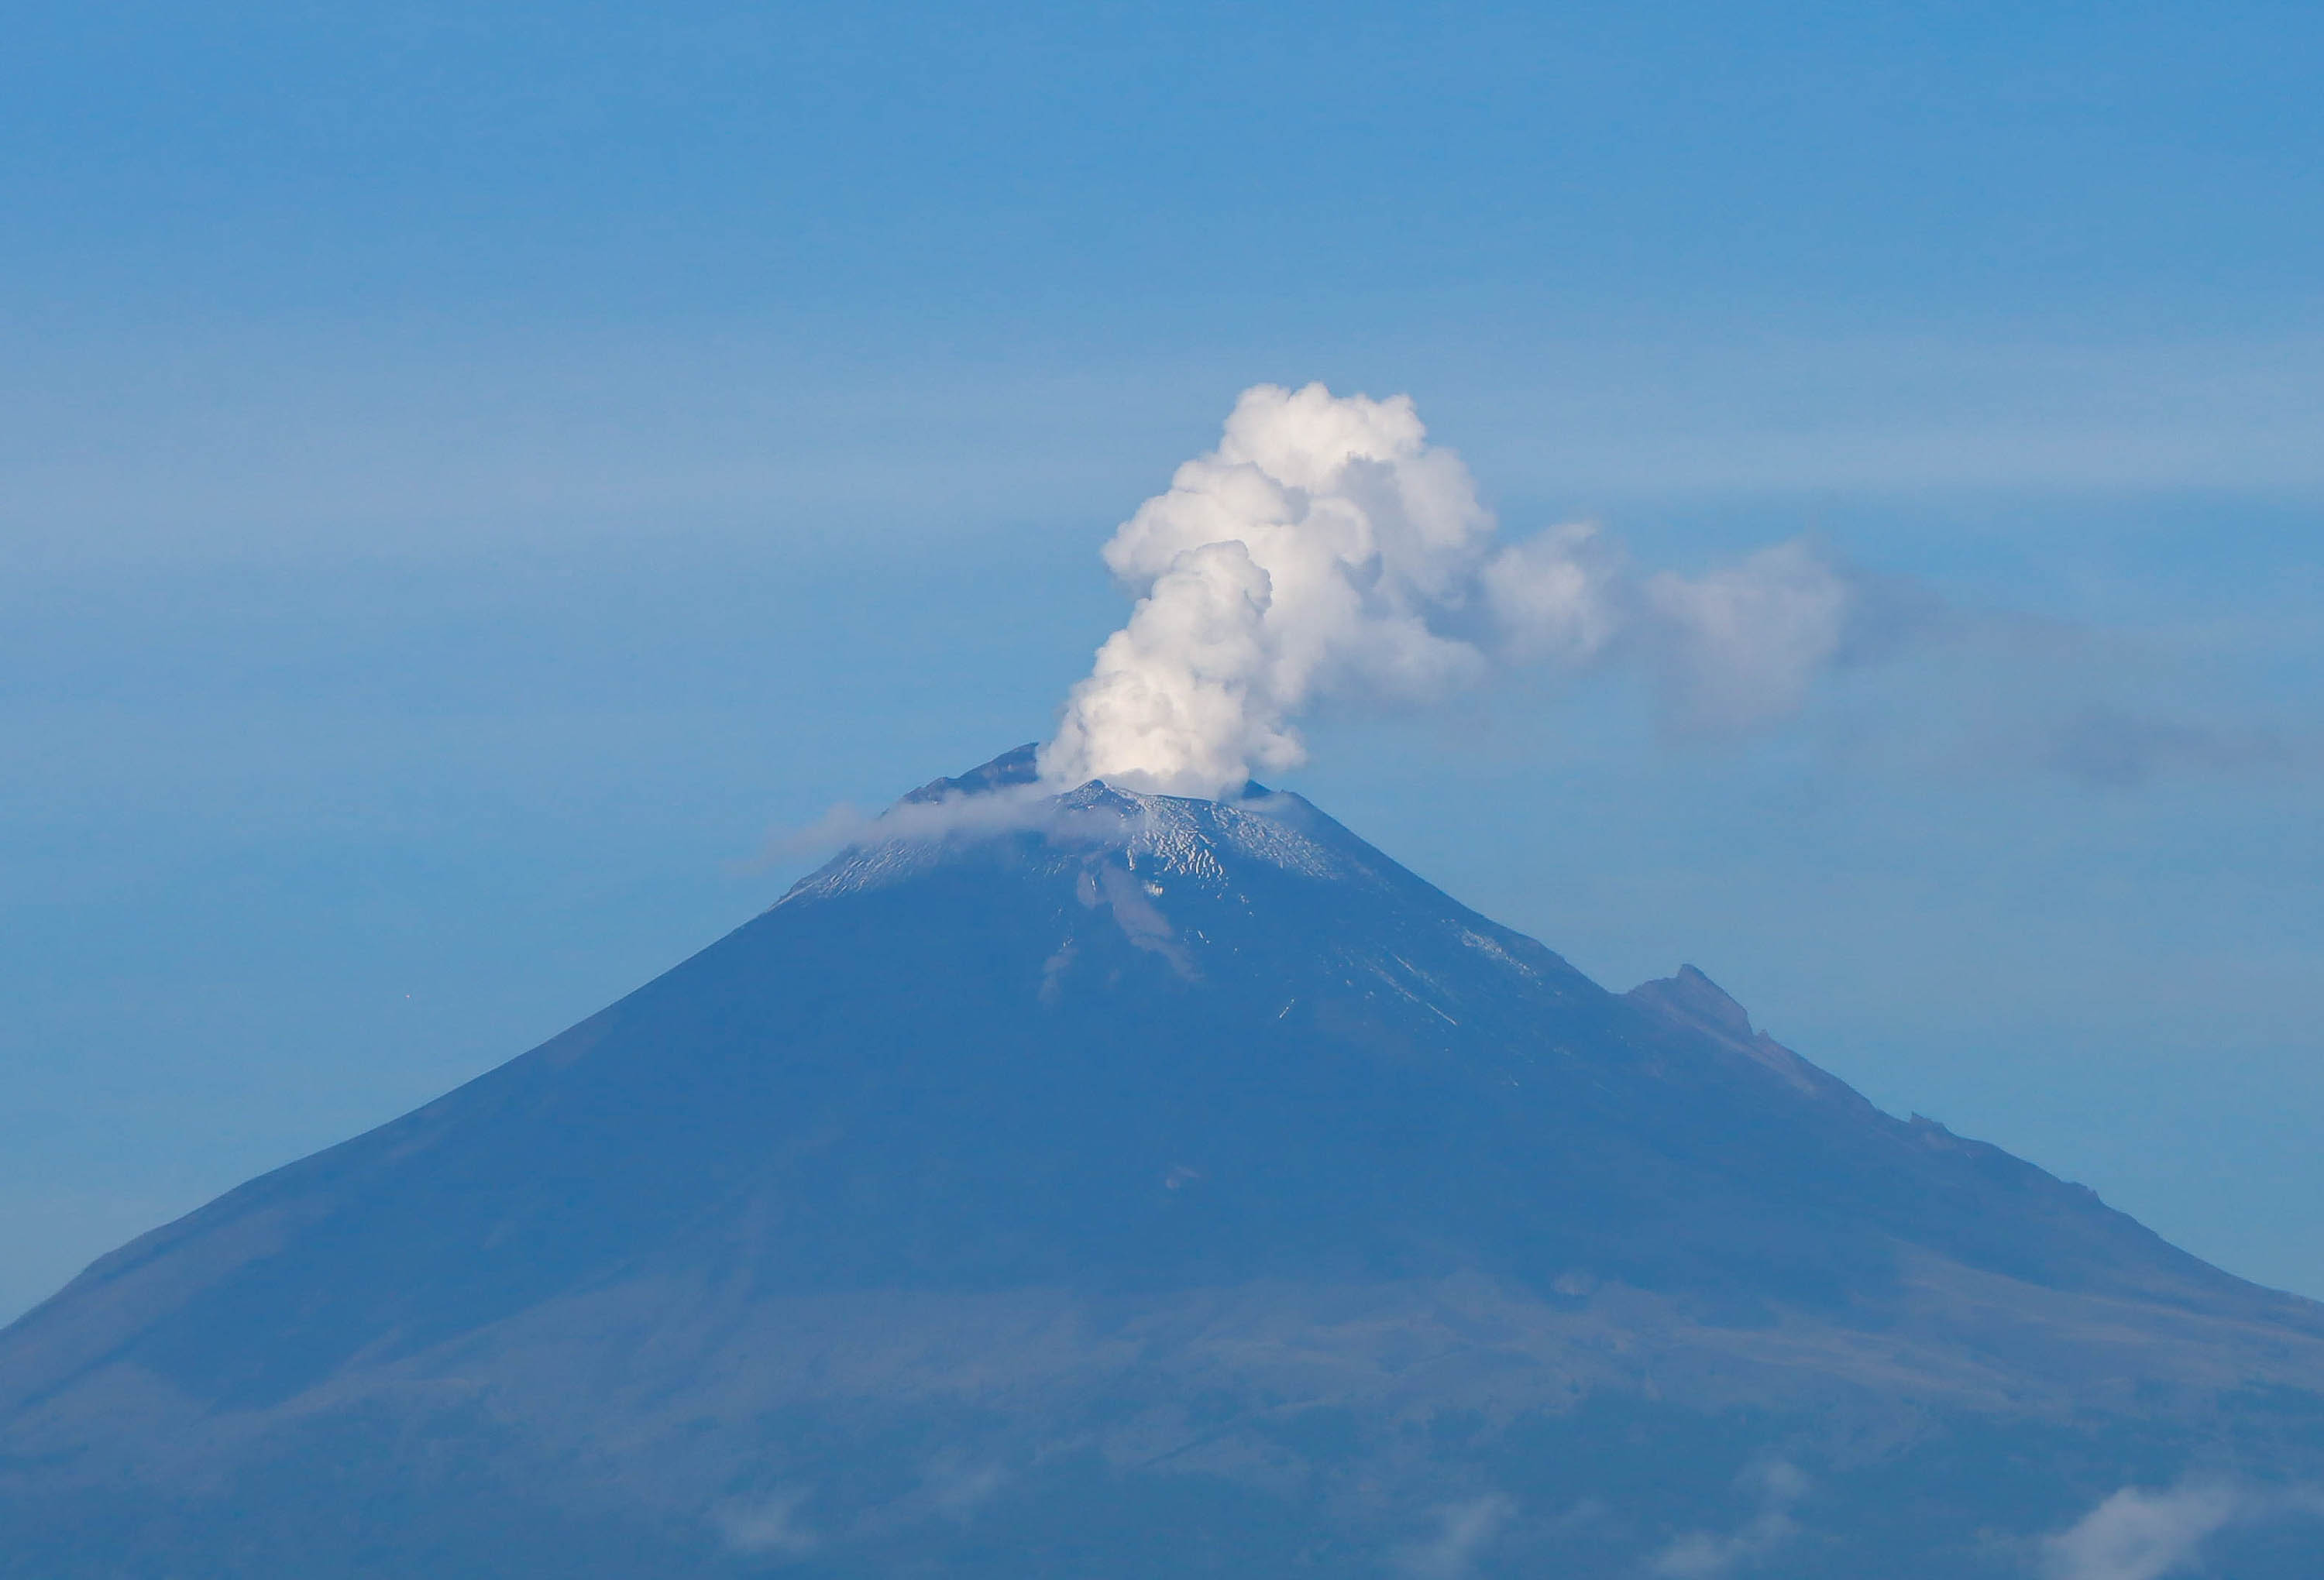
(2142, 1534)
(1702, 1554)
(1463, 1531)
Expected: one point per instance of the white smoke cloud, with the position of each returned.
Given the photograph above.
(1556, 595)
(1739, 646)
(1327, 548)
(1306, 553)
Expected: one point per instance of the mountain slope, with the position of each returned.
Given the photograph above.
(1143, 1183)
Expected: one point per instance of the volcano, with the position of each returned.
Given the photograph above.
(1103, 1184)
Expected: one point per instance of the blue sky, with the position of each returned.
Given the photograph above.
(470, 475)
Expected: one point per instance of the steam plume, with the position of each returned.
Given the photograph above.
(1326, 547)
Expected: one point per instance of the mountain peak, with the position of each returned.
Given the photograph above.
(1020, 765)
(1691, 995)
(1020, 768)
(998, 811)
(1187, 1161)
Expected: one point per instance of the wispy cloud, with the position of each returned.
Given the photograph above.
(999, 810)
(1463, 1531)
(1709, 1555)
(769, 1525)
(2140, 1533)
(2106, 745)
(959, 1486)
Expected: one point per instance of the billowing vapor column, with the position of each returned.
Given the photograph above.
(1326, 547)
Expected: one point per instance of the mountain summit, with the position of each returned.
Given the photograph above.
(1101, 1183)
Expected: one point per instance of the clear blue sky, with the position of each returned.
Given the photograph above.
(469, 473)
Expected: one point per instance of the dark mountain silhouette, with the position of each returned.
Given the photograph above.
(1109, 1185)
